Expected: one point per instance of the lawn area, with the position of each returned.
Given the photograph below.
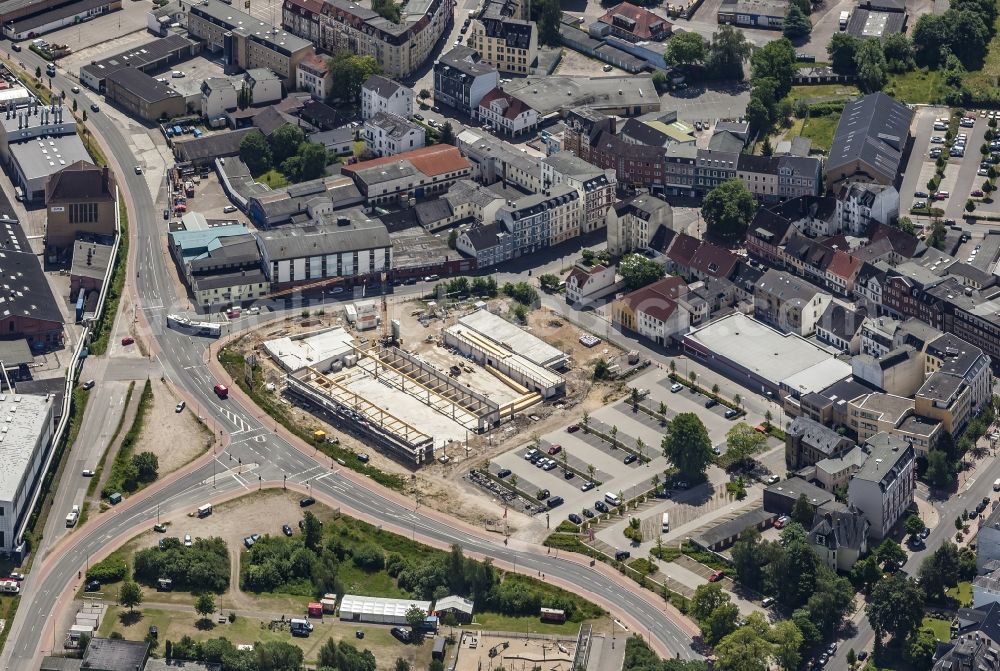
(917, 86)
(273, 178)
(173, 625)
(963, 593)
(819, 129)
(376, 583)
(823, 92)
(941, 628)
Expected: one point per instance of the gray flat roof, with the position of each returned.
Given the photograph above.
(41, 157)
(518, 341)
(547, 95)
(25, 420)
(237, 20)
(756, 347)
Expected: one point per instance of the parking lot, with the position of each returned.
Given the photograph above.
(579, 457)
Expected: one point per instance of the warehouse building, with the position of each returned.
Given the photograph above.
(36, 142)
(149, 58)
(378, 609)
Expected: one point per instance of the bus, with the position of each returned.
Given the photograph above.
(190, 327)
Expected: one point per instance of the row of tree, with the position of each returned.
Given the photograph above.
(721, 58)
(287, 150)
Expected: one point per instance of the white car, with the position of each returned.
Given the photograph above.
(187, 540)
(676, 387)
(937, 139)
(982, 172)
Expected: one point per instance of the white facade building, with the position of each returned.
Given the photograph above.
(26, 443)
(387, 134)
(508, 115)
(597, 187)
(883, 487)
(379, 94)
(859, 205)
(218, 96)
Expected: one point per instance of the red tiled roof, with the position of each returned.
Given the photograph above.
(683, 249)
(713, 260)
(513, 108)
(434, 160)
(642, 19)
(843, 265)
(316, 63)
(657, 299)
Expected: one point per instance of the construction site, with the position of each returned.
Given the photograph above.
(486, 651)
(484, 371)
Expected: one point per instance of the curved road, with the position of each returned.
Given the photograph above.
(263, 453)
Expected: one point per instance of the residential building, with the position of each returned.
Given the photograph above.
(462, 78)
(789, 303)
(878, 335)
(899, 372)
(555, 95)
(218, 96)
(780, 498)
(777, 178)
(244, 41)
(489, 244)
(80, 199)
(221, 265)
(753, 13)
(339, 141)
(314, 75)
(870, 141)
(876, 412)
(952, 355)
(506, 114)
(633, 24)
(387, 134)
(379, 94)
(696, 259)
(597, 187)
(883, 487)
(807, 442)
(465, 201)
(345, 243)
(946, 398)
(419, 173)
(975, 642)
(859, 204)
(509, 45)
(840, 327)
(839, 535)
(142, 96)
(543, 219)
(633, 223)
(494, 160)
(654, 311)
(584, 285)
(340, 25)
(834, 472)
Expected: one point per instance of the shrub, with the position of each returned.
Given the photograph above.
(112, 569)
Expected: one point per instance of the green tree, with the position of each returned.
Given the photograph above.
(870, 63)
(898, 51)
(802, 511)
(685, 49)
(720, 623)
(931, 39)
(638, 271)
(387, 9)
(742, 442)
(312, 531)
(147, 466)
(728, 52)
(447, 133)
(939, 472)
(256, 153)
(547, 14)
(750, 555)
(775, 61)
(284, 142)
(728, 210)
(940, 571)
(415, 617)
(787, 641)
(919, 650)
(204, 605)
(349, 72)
(841, 49)
(913, 525)
(707, 598)
(890, 554)
(970, 205)
(402, 664)
(796, 25)
(745, 649)
(895, 606)
(38, 72)
(687, 445)
(130, 595)
(313, 158)
(453, 240)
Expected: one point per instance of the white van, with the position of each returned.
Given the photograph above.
(996, 485)
(613, 499)
(205, 510)
(665, 524)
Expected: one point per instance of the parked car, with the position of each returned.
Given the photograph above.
(529, 454)
(93, 586)
(306, 501)
(503, 473)
(15, 47)
(937, 139)
(572, 428)
(403, 635)
(588, 513)
(128, 340)
(286, 529)
(89, 384)
(629, 458)
(180, 406)
(782, 521)
(587, 486)
(600, 506)
(711, 403)
(187, 541)
(622, 555)
(568, 474)
(549, 465)
(730, 413)
(138, 170)
(543, 494)
(555, 449)
(364, 458)
(555, 501)
(716, 576)
(920, 194)
(676, 387)
(15, 575)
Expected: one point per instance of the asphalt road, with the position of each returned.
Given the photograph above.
(263, 453)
